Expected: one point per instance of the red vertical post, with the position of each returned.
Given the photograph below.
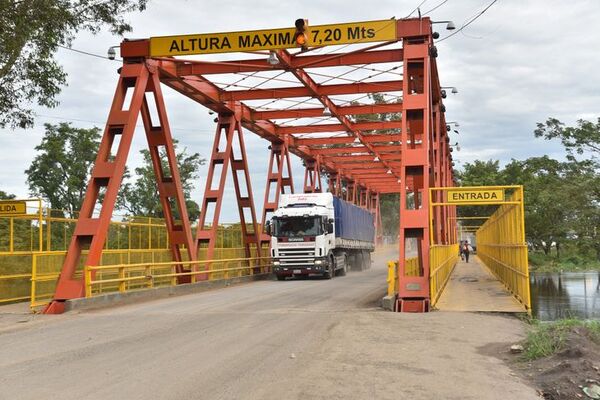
(312, 176)
(107, 174)
(280, 175)
(223, 156)
(413, 291)
(168, 181)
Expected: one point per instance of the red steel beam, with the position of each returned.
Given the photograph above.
(318, 111)
(348, 139)
(313, 61)
(352, 127)
(320, 90)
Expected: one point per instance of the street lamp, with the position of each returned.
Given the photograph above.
(111, 52)
(272, 60)
(454, 89)
(449, 24)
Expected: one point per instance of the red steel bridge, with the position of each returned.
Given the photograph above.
(366, 118)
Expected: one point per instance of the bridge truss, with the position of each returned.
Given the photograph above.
(366, 119)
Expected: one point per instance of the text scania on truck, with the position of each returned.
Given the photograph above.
(319, 234)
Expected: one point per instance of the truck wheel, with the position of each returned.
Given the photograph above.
(345, 268)
(280, 277)
(331, 270)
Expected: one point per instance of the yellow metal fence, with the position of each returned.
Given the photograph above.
(501, 246)
(442, 260)
(33, 247)
(126, 277)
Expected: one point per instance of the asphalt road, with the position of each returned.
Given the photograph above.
(305, 339)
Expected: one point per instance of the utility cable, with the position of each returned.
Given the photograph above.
(469, 22)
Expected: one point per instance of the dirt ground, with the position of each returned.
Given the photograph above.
(561, 376)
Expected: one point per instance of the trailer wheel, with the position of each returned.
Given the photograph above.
(367, 260)
(359, 263)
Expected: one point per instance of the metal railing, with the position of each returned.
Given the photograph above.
(442, 260)
(411, 268)
(501, 246)
(126, 277)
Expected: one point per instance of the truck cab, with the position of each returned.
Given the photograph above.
(303, 236)
(319, 234)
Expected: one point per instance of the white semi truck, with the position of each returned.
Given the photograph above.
(319, 234)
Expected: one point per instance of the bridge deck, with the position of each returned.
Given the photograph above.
(472, 287)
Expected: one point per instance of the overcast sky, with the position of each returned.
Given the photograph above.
(519, 63)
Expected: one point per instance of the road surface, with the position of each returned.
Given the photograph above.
(306, 339)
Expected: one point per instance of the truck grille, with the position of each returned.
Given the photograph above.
(297, 257)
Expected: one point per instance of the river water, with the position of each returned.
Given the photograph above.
(565, 295)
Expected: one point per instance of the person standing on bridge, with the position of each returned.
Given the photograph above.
(466, 250)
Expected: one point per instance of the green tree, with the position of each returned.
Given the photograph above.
(61, 170)
(32, 31)
(6, 196)
(140, 197)
(584, 138)
(478, 173)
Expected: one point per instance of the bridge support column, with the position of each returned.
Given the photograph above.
(281, 177)
(413, 290)
(228, 133)
(107, 174)
(312, 176)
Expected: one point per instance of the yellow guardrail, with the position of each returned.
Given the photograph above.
(442, 260)
(501, 246)
(411, 268)
(126, 277)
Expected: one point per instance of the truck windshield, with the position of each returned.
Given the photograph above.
(297, 226)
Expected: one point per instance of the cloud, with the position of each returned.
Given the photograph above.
(518, 64)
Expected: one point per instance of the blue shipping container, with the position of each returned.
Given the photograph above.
(352, 222)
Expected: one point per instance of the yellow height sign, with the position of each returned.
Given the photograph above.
(319, 35)
(458, 196)
(10, 208)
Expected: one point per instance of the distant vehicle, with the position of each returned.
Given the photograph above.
(319, 234)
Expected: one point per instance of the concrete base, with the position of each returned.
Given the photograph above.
(388, 303)
(118, 299)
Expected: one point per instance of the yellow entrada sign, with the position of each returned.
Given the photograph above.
(12, 208)
(319, 35)
(475, 196)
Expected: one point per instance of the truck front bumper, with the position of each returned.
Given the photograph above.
(291, 270)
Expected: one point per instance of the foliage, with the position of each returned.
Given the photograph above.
(32, 31)
(582, 139)
(6, 196)
(562, 198)
(140, 197)
(61, 170)
(389, 207)
(546, 339)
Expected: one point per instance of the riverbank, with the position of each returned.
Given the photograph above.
(561, 359)
(568, 262)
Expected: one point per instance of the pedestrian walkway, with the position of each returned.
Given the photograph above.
(472, 287)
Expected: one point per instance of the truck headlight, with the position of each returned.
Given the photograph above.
(276, 263)
(318, 262)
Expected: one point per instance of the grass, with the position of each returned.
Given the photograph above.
(547, 338)
(570, 261)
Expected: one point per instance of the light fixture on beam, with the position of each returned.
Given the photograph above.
(356, 140)
(272, 60)
(454, 90)
(389, 171)
(449, 24)
(376, 158)
(326, 112)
